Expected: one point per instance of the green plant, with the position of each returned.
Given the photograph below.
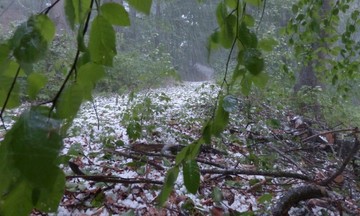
(140, 117)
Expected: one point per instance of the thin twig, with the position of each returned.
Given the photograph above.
(8, 95)
(96, 113)
(173, 157)
(327, 132)
(136, 157)
(262, 16)
(47, 10)
(353, 151)
(73, 66)
(286, 157)
(7, 8)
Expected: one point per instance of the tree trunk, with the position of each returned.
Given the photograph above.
(157, 23)
(307, 75)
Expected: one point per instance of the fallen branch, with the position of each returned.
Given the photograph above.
(114, 179)
(327, 132)
(276, 174)
(173, 157)
(353, 151)
(286, 157)
(129, 155)
(295, 195)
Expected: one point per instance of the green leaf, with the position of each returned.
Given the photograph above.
(355, 14)
(352, 28)
(230, 103)
(75, 150)
(102, 45)
(69, 102)
(81, 42)
(45, 26)
(28, 42)
(265, 198)
(300, 17)
(20, 195)
(227, 31)
(88, 75)
(76, 11)
(14, 99)
(28, 157)
(217, 195)
(50, 197)
(213, 42)
(180, 157)
(206, 133)
(191, 174)
(36, 81)
(115, 14)
(141, 5)
(314, 26)
(221, 13)
(334, 79)
(247, 37)
(12, 70)
(194, 149)
(249, 20)
(295, 9)
(227, 25)
(237, 74)
(169, 182)
(260, 80)
(274, 123)
(34, 144)
(134, 130)
(231, 3)
(246, 83)
(70, 13)
(221, 119)
(253, 61)
(256, 3)
(4, 55)
(267, 44)
(98, 200)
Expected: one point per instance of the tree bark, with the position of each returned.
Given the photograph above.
(307, 75)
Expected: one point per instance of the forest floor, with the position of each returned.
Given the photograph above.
(266, 161)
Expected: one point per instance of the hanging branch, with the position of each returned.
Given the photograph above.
(73, 66)
(47, 10)
(7, 8)
(8, 96)
(96, 113)
(262, 16)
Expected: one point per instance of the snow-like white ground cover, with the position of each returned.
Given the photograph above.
(181, 110)
(173, 115)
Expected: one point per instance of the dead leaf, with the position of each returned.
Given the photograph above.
(228, 195)
(339, 179)
(330, 137)
(217, 211)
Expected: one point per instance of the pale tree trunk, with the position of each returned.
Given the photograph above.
(157, 22)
